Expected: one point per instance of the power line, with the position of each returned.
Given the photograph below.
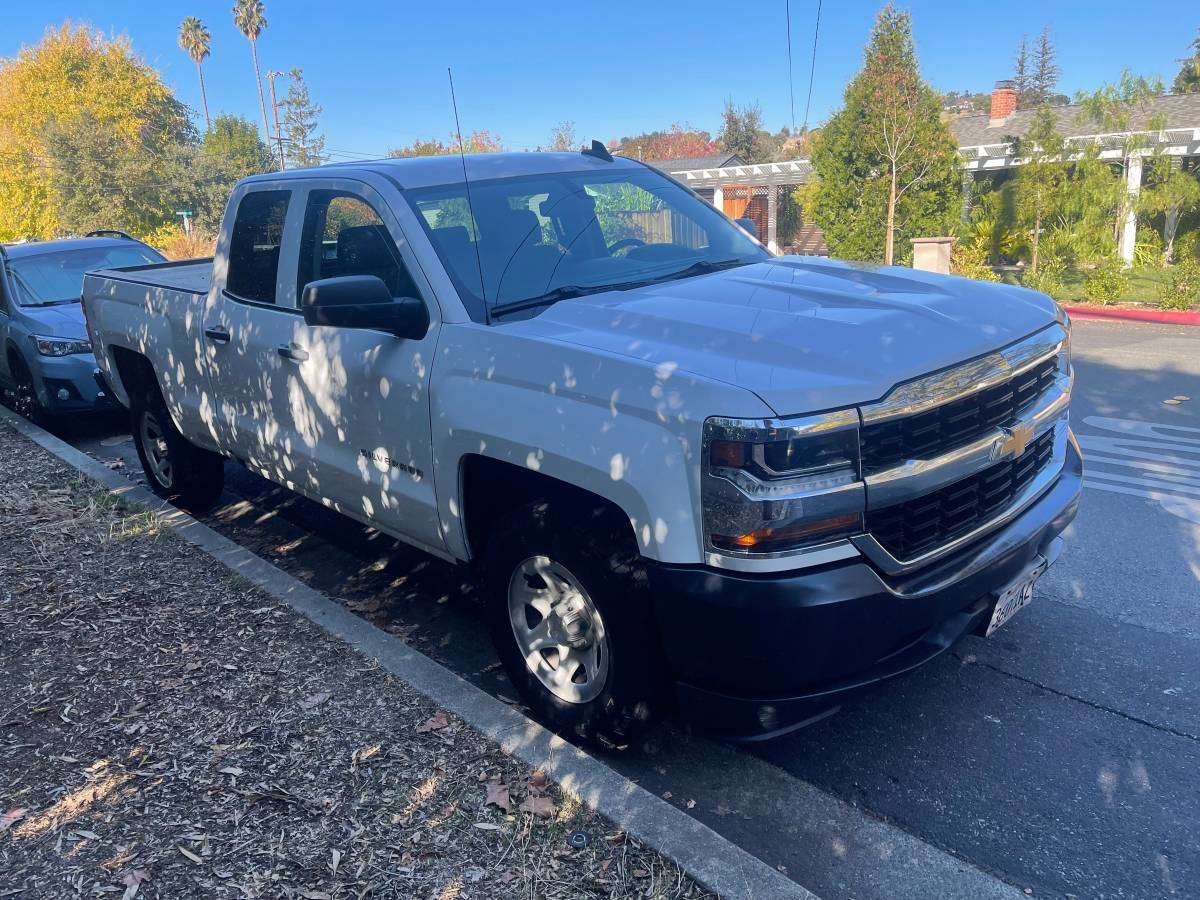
(813, 69)
(787, 8)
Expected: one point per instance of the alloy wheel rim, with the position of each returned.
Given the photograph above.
(154, 443)
(559, 632)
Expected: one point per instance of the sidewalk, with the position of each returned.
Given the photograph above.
(167, 730)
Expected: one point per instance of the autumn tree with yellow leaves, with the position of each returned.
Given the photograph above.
(73, 85)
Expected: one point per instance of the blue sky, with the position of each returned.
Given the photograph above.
(617, 67)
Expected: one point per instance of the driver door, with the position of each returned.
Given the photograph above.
(358, 399)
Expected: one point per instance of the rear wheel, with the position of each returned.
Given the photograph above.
(176, 469)
(572, 621)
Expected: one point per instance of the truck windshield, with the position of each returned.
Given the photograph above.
(56, 276)
(543, 238)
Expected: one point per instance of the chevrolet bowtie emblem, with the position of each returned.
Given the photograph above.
(1013, 442)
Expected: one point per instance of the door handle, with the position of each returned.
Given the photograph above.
(292, 352)
(217, 335)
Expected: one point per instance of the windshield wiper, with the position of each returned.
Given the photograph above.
(53, 302)
(704, 267)
(565, 292)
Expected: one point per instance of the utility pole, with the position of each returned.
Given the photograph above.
(271, 76)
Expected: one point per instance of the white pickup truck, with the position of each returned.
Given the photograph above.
(692, 475)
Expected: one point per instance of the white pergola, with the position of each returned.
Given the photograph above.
(769, 175)
(979, 158)
(1114, 146)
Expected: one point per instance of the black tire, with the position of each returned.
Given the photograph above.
(22, 396)
(597, 546)
(196, 476)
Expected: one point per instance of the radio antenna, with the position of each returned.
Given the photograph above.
(487, 314)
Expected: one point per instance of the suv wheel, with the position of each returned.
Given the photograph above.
(23, 395)
(176, 469)
(572, 622)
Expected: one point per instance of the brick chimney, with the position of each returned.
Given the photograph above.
(1004, 103)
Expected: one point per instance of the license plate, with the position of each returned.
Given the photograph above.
(1014, 597)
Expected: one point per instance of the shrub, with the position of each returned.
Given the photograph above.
(1048, 279)
(181, 245)
(970, 261)
(1106, 283)
(1181, 289)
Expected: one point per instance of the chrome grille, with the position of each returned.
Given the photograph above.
(906, 530)
(943, 428)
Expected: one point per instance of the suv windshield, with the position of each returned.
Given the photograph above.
(543, 238)
(56, 276)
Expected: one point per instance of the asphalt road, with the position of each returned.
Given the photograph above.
(1061, 756)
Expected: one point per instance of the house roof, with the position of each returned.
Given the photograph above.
(691, 163)
(1179, 111)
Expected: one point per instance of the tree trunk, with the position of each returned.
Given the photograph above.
(262, 104)
(1037, 232)
(889, 245)
(1170, 226)
(203, 98)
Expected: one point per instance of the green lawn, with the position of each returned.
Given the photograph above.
(1142, 288)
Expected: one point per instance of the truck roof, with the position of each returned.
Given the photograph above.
(426, 171)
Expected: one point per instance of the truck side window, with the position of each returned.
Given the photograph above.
(344, 235)
(254, 245)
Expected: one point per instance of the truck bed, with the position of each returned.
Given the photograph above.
(190, 275)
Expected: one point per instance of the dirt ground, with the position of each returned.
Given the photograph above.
(167, 730)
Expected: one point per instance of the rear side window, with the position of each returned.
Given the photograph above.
(344, 235)
(254, 245)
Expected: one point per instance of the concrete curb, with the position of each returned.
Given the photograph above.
(714, 862)
(1161, 316)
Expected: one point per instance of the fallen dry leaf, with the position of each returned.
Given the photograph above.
(640, 873)
(497, 795)
(190, 855)
(537, 781)
(13, 815)
(435, 723)
(691, 804)
(314, 701)
(542, 807)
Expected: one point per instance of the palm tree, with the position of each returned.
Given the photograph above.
(196, 42)
(251, 19)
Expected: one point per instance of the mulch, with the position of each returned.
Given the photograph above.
(167, 730)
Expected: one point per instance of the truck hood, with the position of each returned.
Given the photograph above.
(803, 333)
(56, 321)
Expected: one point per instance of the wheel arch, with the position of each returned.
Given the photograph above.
(490, 488)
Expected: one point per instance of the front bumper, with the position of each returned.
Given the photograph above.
(72, 384)
(758, 655)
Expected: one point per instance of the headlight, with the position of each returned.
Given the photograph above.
(58, 346)
(773, 486)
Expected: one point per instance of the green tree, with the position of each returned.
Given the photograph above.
(230, 151)
(1171, 192)
(1022, 80)
(196, 42)
(250, 17)
(101, 180)
(1040, 179)
(1188, 79)
(1044, 79)
(741, 131)
(887, 163)
(305, 143)
(1110, 109)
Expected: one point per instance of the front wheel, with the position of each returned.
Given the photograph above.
(572, 622)
(23, 395)
(176, 469)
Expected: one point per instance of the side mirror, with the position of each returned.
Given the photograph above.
(363, 301)
(747, 225)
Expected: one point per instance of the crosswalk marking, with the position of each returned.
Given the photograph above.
(1153, 461)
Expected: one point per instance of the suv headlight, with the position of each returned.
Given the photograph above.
(773, 486)
(60, 346)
